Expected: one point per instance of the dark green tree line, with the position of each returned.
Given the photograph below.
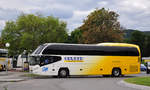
(141, 39)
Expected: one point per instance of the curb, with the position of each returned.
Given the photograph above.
(11, 80)
(135, 86)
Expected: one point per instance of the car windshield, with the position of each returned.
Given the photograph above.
(34, 60)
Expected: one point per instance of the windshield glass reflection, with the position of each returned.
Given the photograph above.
(34, 60)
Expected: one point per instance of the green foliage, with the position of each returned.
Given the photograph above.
(138, 38)
(2, 45)
(127, 33)
(141, 39)
(147, 46)
(101, 26)
(29, 31)
(5, 88)
(76, 36)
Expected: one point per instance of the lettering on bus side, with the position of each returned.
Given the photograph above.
(73, 59)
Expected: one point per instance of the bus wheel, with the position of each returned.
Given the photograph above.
(116, 72)
(63, 73)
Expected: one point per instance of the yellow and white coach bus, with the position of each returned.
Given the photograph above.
(85, 59)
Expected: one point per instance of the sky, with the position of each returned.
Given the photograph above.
(134, 14)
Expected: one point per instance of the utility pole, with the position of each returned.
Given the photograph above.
(6, 66)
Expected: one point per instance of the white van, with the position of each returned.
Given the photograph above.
(20, 61)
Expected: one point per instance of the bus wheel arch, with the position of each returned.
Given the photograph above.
(116, 72)
(63, 72)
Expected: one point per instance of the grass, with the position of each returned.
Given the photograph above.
(5, 88)
(139, 80)
(31, 75)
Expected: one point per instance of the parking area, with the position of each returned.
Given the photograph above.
(71, 83)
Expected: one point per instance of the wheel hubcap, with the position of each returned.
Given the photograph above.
(63, 73)
(116, 73)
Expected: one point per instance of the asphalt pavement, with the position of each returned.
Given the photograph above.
(72, 83)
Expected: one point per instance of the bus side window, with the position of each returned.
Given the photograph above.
(49, 59)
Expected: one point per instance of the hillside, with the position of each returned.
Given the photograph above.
(147, 32)
(128, 32)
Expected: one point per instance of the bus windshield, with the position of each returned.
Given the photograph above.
(34, 60)
(39, 49)
(3, 53)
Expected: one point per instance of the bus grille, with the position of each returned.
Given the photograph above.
(133, 68)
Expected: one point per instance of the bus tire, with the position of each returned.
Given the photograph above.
(63, 73)
(116, 72)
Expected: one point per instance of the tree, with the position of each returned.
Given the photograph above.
(142, 40)
(11, 35)
(2, 45)
(147, 46)
(101, 26)
(76, 36)
(29, 31)
(138, 38)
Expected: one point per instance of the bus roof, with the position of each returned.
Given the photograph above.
(65, 46)
(118, 44)
(103, 44)
(100, 44)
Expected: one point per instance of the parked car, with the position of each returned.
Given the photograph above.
(143, 67)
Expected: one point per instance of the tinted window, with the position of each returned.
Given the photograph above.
(44, 60)
(91, 50)
(3, 54)
(24, 56)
